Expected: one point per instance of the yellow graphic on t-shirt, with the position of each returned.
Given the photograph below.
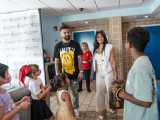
(67, 59)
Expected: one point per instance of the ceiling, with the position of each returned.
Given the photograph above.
(54, 8)
(106, 20)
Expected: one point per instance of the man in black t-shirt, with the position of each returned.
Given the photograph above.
(68, 55)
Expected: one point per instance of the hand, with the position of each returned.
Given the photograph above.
(77, 118)
(91, 78)
(121, 94)
(47, 85)
(116, 78)
(57, 73)
(24, 105)
(24, 99)
(80, 76)
(86, 61)
(50, 87)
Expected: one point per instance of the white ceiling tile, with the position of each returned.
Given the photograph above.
(107, 3)
(130, 2)
(68, 6)
(3, 11)
(130, 6)
(158, 16)
(90, 22)
(50, 15)
(149, 16)
(48, 11)
(70, 13)
(128, 18)
(102, 21)
(30, 4)
(109, 8)
(54, 2)
(43, 16)
(88, 6)
(72, 24)
(9, 6)
(147, 2)
(77, 1)
(143, 19)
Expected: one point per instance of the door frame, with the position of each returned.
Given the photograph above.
(83, 31)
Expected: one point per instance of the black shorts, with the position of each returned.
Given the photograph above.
(40, 110)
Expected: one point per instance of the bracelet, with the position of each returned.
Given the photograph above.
(81, 71)
(17, 107)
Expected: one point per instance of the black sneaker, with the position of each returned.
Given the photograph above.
(79, 90)
(89, 90)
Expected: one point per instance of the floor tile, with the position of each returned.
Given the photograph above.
(87, 102)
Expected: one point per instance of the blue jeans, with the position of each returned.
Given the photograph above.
(74, 84)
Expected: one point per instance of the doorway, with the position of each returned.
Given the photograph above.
(86, 36)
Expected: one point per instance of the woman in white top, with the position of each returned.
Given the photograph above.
(104, 65)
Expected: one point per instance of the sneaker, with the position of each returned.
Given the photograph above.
(79, 90)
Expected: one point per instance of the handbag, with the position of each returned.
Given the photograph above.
(115, 102)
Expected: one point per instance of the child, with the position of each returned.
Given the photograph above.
(140, 93)
(65, 108)
(8, 109)
(39, 108)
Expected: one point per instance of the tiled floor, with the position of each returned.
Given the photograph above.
(87, 102)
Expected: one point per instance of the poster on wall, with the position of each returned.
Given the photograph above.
(21, 42)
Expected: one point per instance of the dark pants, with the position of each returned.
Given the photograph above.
(86, 73)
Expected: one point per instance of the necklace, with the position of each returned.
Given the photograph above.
(65, 44)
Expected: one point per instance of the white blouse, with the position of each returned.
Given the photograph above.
(98, 58)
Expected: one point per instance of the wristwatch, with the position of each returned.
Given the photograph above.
(81, 71)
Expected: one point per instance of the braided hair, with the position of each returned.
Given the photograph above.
(58, 80)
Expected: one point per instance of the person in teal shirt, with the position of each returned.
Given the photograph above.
(140, 92)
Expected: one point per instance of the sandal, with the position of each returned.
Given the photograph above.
(111, 112)
(100, 117)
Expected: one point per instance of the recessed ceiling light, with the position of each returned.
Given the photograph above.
(145, 16)
(86, 22)
(85, 0)
(64, 9)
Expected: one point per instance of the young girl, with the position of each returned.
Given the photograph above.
(8, 109)
(39, 108)
(65, 108)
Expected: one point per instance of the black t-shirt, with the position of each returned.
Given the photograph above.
(68, 55)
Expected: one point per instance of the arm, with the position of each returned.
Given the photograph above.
(41, 95)
(88, 61)
(12, 113)
(57, 66)
(113, 62)
(142, 84)
(92, 72)
(45, 87)
(90, 57)
(80, 76)
(133, 100)
(9, 115)
(22, 100)
(67, 98)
